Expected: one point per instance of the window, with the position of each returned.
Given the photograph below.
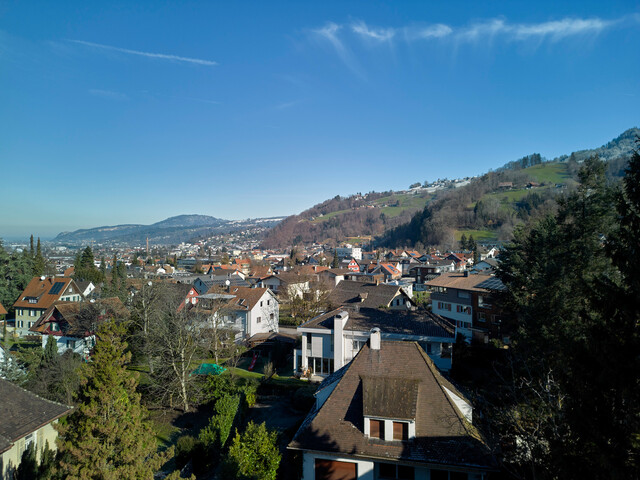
(268, 302)
(400, 431)
(259, 319)
(271, 316)
(463, 309)
(462, 294)
(392, 471)
(482, 317)
(71, 344)
(308, 340)
(261, 302)
(376, 429)
(444, 306)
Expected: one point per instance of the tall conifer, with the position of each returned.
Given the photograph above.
(108, 437)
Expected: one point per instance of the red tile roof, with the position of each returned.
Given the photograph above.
(41, 292)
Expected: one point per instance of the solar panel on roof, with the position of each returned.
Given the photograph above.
(492, 284)
(55, 290)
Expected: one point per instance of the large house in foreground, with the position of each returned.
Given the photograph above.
(39, 295)
(74, 325)
(331, 340)
(26, 418)
(389, 414)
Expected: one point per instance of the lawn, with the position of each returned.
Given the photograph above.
(478, 235)
(549, 172)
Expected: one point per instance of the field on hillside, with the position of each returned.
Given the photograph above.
(391, 205)
(549, 172)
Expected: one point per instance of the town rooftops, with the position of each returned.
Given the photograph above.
(24, 412)
(394, 322)
(245, 297)
(68, 316)
(41, 292)
(396, 381)
(463, 281)
(367, 295)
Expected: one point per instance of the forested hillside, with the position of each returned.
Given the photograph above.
(341, 217)
(492, 205)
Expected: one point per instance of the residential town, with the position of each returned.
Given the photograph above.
(319, 240)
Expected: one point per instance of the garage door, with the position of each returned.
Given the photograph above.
(333, 470)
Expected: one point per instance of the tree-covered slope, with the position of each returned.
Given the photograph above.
(492, 205)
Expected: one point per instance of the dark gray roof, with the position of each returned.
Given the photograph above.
(24, 412)
(367, 295)
(443, 435)
(398, 322)
(389, 397)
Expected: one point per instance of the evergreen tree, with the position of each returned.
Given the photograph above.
(28, 468)
(471, 243)
(50, 353)
(39, 263)
(107, 437)
(254, 455)
(463, 242)
(85, 268)
(47, 463)
(31, 249)
(577, 338)
(103, 269)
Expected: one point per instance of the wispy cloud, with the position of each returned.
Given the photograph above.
(561, 28)
(108, 94)
(329, 33)
(553, 30)
(439, 30)
(161, 56)
(379, 34)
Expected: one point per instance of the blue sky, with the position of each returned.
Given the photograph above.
(133, 112)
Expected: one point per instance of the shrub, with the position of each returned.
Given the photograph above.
(254, 454)
(185, 447)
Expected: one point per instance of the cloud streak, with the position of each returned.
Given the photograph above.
(160, 56)
(476, 32)
(341, 36)
(329, 33)
(378, 34)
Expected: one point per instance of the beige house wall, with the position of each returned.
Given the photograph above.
(12, 457)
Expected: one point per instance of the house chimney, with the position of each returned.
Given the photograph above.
(339, 322)
(466, 273)
(375, 339)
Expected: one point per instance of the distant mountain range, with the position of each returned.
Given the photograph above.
(395, 218)
(174, 230)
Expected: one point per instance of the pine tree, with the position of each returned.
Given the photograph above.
(108, 437)
(28, 468)
(31, 250)
(39, 263)
(463, 242)
(50, 354)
